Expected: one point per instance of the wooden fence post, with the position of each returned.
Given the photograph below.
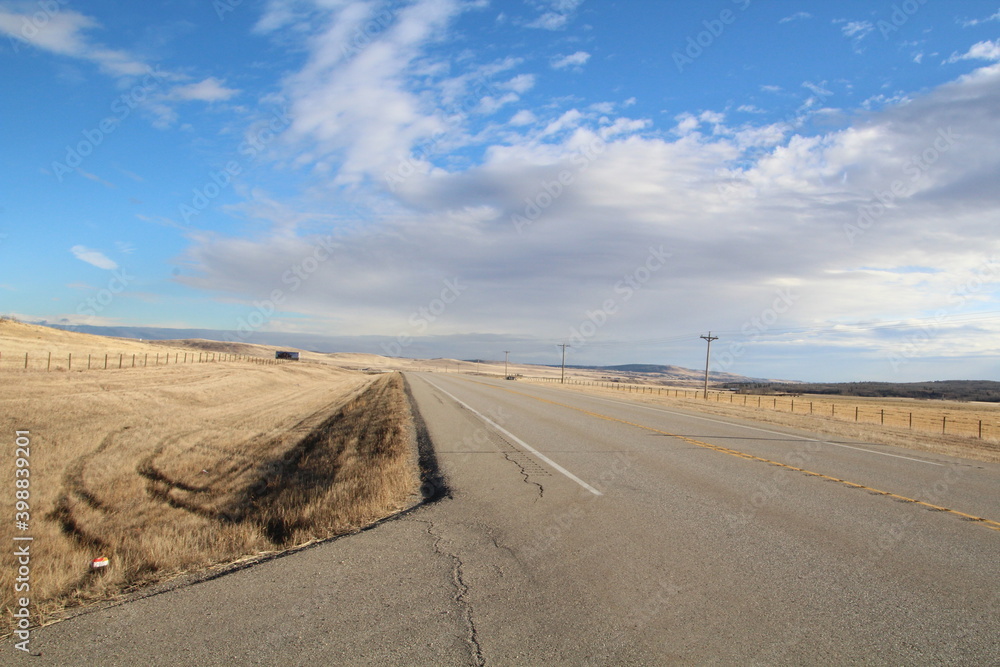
(48, 364)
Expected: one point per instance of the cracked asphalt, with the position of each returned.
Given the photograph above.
(633, 536)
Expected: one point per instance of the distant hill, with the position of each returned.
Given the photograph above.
(300, 341)
(951, 390)
(667, 372)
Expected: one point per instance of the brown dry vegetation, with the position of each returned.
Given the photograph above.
(174, 468)
(926, 414)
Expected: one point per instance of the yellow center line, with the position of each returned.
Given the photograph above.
(994, 525)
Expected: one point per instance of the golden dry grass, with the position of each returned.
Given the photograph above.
(32, 347)
(174, 468)
(834, 415)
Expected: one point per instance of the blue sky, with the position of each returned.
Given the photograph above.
(815, 183)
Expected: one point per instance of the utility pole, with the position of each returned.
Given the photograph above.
(562, 378)
(708, 356)
(505, 358)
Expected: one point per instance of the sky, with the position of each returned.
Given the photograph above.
(816, 184)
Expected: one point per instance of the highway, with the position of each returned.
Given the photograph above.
(577, 529)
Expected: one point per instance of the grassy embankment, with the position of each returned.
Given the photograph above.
(171, 469)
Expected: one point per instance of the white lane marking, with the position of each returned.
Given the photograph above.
(762, 430)
(516, 439)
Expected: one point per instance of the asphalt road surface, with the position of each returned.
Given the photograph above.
(587, 530)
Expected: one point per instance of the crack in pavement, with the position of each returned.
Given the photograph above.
(461, 593)
(524, 473)
(524, 463)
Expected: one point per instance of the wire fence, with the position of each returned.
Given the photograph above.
(923, 420)
(68, 361)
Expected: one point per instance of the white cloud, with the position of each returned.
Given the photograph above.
(985, 50)
(577, 59)
(490, 105)
(67, 33)
(207, 90)
(974, 22)
(93, 257)
(523, 117)
(97, 179)
(797, 16)
(757, 207)
(521, 83)
(64, 33)
(358, 108)
(857, 29)
(569, 120)
(557, 14)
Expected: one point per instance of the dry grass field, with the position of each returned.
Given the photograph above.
(834, 415)
(169, 469)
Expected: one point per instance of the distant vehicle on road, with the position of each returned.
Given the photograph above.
(281, 354)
